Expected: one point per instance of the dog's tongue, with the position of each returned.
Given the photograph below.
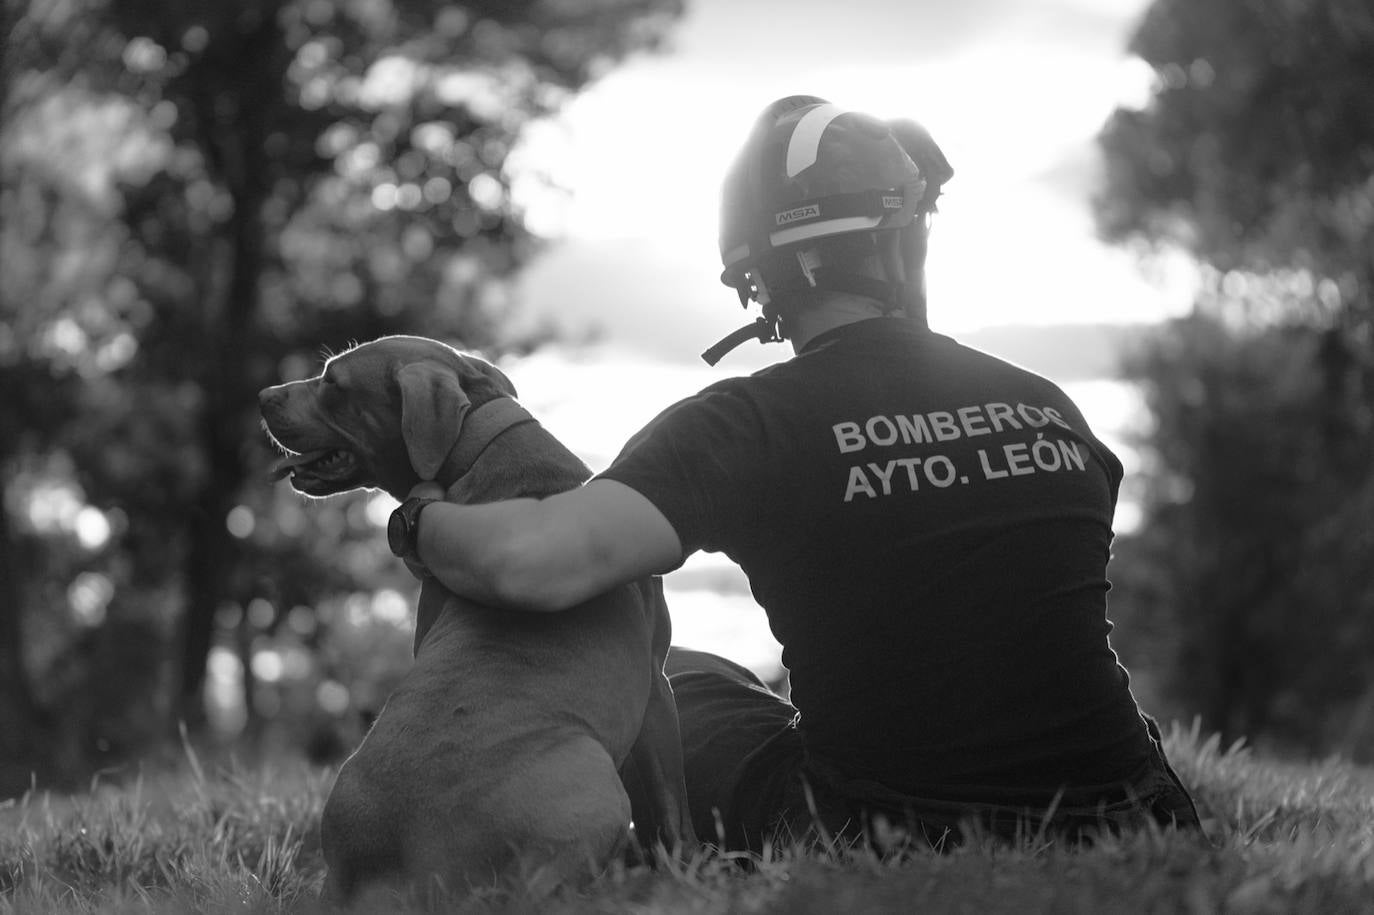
(287, 464)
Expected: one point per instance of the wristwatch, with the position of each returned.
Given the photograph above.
(403, 528)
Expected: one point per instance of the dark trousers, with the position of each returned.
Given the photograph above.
(751, 780)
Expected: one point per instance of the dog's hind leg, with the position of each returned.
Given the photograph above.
(566, 811)
(654, 778)
(654, 773)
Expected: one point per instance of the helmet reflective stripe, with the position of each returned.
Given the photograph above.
(835, 214)
(805, 143)
(794, 234)
(829, 227)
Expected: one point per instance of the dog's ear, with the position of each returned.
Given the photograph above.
(433, 404)
(480, 368)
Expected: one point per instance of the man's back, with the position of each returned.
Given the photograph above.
(928, 529)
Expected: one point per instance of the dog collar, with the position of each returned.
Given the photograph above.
(483, 425)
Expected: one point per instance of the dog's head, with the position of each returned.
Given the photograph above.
(384, 414)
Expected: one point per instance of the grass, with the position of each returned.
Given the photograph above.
(1284, 837)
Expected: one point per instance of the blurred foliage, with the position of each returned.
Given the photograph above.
(196, 198)
(1256, 155)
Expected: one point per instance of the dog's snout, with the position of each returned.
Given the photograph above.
(269, 395)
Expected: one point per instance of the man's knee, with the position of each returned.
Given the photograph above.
(686, 661)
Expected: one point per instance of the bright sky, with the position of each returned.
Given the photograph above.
(1013, 90)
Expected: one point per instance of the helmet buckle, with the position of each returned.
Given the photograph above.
(760, 289)
(809, 260)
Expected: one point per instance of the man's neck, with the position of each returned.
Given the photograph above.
(836, 311)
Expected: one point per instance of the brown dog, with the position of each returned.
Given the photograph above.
(502, 746)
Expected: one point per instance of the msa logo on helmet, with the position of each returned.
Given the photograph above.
(810, 211)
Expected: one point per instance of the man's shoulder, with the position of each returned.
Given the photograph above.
(716, 394)
(752, 386)
(725, 399)
(983, 362)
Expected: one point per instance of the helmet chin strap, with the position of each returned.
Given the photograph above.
(893, 291)
(764, 330)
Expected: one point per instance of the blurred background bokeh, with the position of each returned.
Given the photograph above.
(1167, 207)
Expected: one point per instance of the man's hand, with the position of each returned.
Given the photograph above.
(427, 489)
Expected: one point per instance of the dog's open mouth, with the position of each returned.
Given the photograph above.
(311, 470)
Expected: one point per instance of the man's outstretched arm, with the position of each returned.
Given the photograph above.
(547, 554)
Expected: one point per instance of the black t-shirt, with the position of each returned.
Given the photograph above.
(927, 528)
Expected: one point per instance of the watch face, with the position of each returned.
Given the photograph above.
(396, 528)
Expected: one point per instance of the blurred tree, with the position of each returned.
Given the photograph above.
(198, 195)
(1256, 155)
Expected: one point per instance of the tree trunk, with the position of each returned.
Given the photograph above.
(235, 135)
(22, 742)
(215, 558)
